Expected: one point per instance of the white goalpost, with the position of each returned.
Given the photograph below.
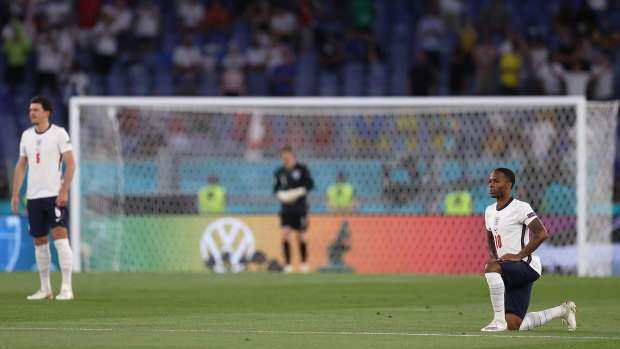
(141, 160)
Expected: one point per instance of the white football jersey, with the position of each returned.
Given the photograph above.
(509, 227)
(44, 152)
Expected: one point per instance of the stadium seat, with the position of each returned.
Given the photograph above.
(164, 86)
(354, 79)
(381, 27)
(305, 85)
(10, 133)
(140, 80)
(400, 62)
(169, 41)
(306, 63)
(257, 85)
(96, 86)
(210, 87)
(116, 85)
(20, 111)
(84, 58)
(241, 34)
(329, 84)
(398, 85)
(219, 39)
(377, 80)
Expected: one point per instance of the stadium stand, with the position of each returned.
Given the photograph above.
(312, 48)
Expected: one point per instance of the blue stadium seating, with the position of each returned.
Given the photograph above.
(329, 84)
(398, 85)
(353, 79)
(117, 84)
(376, 84)
(96, 86)
(257, 85)
(20, 111)
(394, 27)
(241, 34)
(10, 134)
(305, 81)
(140, 78)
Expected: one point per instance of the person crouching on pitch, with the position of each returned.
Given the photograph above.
(292, 182)
(515, 267)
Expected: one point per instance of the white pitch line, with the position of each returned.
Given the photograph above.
(345, 333)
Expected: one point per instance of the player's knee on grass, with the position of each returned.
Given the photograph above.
(513, 321)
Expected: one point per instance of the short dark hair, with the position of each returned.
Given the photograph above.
(45, 103)
(342, 175)
(213, 179)
(508, 173)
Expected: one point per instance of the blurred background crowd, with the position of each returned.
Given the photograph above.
(309, 47)
(63, 48)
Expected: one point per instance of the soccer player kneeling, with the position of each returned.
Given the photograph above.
(511, 275)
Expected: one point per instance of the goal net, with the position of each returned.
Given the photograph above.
(419, 169)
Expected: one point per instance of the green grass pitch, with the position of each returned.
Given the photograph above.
(263, 310)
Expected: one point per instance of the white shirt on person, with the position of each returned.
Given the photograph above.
(430, 32)
(233, 81)
(186, 56)
(603, 83)
(191, 14)
(549, 75)
(105, 37)
(283, 23)
(147, 22)
(122, 17)
(509, 226)
(44, 152)
(256, 56)
(234, 61)
(541, 138)
(452, 7)
(576, 82)
(49, 57)
(57, 11)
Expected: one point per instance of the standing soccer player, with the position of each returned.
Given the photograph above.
(292, 183)
(511, 275)
(42, 149)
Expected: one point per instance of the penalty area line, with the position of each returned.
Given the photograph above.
(342, 333)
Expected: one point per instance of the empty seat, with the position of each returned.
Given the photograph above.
(257, 85)
(377, 80)
(329, 84)
(354, 79)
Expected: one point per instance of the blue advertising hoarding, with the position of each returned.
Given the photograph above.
(16, 247)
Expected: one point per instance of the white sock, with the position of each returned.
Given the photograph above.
(497, 290)
(44, 259)
(65, 259)
(540, 318)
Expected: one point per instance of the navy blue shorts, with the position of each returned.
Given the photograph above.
(43, 214)
(519, 278)
(297, 221)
